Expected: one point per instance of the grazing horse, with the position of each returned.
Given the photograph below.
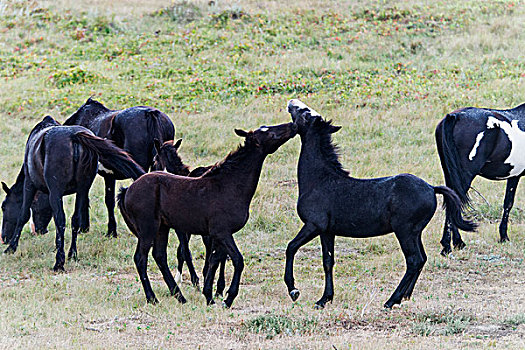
(168, 159)
(331, 203)
(215, 204)
(59, 160)
(486, 142)
(132, 129)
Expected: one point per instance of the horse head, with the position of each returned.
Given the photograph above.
(269, 138)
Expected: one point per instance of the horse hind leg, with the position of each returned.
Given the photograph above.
(415, 260)
(55, 200)
(510, 193)
(184, 251)
(109, 185)
(160, 247)
(221, 281)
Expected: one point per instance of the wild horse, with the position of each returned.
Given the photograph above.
(132, 129)
(59, 160)
(215, 205)
(331, 203)
(486, 142)
(168, 159)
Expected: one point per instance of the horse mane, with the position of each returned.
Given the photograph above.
(92, 105)
(329, 150)
(231, 160)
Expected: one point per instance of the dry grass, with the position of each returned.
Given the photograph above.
(472, 299)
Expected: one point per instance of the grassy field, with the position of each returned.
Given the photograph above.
(387, 71)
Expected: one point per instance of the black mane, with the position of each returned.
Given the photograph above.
(232, 159)
(329, 150)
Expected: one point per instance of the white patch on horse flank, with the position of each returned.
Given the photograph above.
(32, 224)
(297, 103)
(101, 168)
(264, 129)
(472, 153)
(516, 137)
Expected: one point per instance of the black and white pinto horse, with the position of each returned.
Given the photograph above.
(133, 129)
(332, 203)
(486, 142)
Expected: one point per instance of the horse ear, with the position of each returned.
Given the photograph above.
(157, 144)
(334, 128)
(177, 144)
(5, 188)
(241, 132)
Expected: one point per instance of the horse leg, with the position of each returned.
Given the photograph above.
(23, 216)
(306, 234)
(238, 265)
(186, 255)
(160, 255)
(412, 284)
(508, 202)
(221, 281)
(141, 262)
(78, 221)
(109, 182)
(215, 256)
(180, 264)
(55, 200)
(415, 260)
(327, 244)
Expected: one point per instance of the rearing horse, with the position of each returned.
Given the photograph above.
(332, 203)
(486, 142)
(133, 129)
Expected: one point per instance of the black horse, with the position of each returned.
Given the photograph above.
(132, 129)
(486, 142)
(215, 204)
(60, 160)
(168, 159)
(331, 203)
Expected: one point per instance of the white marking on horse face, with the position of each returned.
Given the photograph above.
(301, 105)
(516, 137)
(101, 168)
(264, 129)
(472, 153)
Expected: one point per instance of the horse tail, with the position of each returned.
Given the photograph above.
(157, 129)
(109, 155)
(453, 208)
(121, 196)
(454, 173)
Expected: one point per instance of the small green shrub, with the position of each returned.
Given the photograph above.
(273, 325)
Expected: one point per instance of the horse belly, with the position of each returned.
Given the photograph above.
(360, 226)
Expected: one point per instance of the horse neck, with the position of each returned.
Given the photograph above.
(244, 174)
(18, 188)
(313, 166)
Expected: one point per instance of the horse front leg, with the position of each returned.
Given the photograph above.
(109, 186)
(510, 193)
(184, 250)
(306, 234)
(23, 216)
(238, 266)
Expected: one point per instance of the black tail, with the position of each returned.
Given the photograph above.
(121, 196)
(157, 129)
(110, 155)
(453, 208)
(455, 176)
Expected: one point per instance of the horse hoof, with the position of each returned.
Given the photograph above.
(504, 239)
(153, 301)
(294, 294)
(318, 306)
(225, 305)
(388, 305)
(181, 299)
(58, 268)
(446, 251)
(210, 302)
(460, 245)
(9, 250)
(111, 234)
(218, 295)
(72, 255)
